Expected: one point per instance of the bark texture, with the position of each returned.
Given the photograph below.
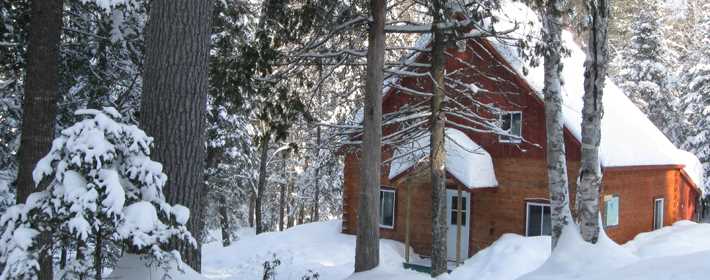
(224, 221)
(438, 122)
(590, 173)
(316, 198)
(39, 106)
(282, 194)
(261, 185)
(252, 202)
(41, 89)
(556, 161)
(367, 245)
(174, 103)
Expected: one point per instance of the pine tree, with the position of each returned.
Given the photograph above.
(696, 87)
(103, 188)
(14, 19)
(367, 246)
(644, 75)
(174, 101)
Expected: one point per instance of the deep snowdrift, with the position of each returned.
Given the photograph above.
(678, 252)
(319, 247)
(681, 251)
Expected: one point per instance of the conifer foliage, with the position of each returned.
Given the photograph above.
(696, 79)
(104, 189)
(643, 75)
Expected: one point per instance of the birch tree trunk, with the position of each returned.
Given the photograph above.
(261, 185)
(367, 245)
(590, 173)
(39, 106)
(556, 161)
(438, 155)
(174, 103)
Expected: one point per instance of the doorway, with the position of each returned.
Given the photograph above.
(452, 199)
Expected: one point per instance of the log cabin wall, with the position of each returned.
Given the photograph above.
(496, 211)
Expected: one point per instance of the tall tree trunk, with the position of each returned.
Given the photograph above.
(367, 246)
(261, 184)
(289, 202)
(252, 206)
(224, 220)
(40, 106)
(556, 161)
(174, 102)
(316, 197)
(63, 254)
(301, 214)
(590, 173)
(282, 194)
(438, 154)
(98, 265)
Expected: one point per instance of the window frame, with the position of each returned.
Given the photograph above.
(394, 207)
(662, 210)
(506, 139)
(542, 216)
(465, 210)
(618, 212)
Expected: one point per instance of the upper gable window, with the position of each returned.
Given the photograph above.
(512, 122)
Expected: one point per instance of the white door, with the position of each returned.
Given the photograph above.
(451, 206)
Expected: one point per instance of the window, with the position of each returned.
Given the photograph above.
(658, 213)
(537, 219)
(387, 208)
(455, 210)
(512, 122)
(611, 210)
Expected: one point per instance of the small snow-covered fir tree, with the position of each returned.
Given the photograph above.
(643, 74)
(103, 188)
(696, 87)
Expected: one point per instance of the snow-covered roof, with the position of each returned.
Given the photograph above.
(465, 160)
(629, 138)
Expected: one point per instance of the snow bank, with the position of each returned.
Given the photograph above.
(134, 268)
(681, 251)
(574, 257)
(509, 257)
(684, 237)
(465, 160)
(319, 247)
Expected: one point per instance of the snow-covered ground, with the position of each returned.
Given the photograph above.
(319, 247)
(678, 252)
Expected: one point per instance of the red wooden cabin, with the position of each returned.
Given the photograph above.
(648, 183)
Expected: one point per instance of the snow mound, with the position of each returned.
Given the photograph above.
(134, 268)
(319, 247)
(574, 257)
(509, 257)
(684, 237)
(681, 251)
(465, 160)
